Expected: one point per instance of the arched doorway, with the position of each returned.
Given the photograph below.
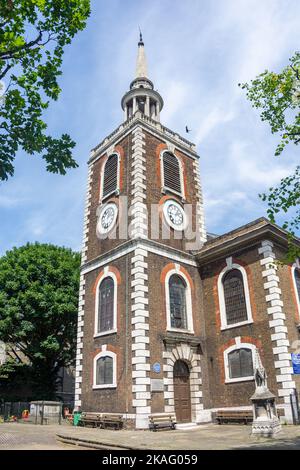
(182, 392)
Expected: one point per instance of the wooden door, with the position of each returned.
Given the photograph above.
(182, 392)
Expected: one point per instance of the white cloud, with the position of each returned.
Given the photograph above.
(197, 53)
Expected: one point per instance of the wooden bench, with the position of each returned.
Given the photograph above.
(162, 421)
(234, 416)
(92, 419)
(111, 420)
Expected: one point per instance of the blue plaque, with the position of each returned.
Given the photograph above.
(156, 367)
(296, 363)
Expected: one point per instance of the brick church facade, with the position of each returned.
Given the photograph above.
(169, 317)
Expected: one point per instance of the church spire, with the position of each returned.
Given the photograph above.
(142, 97)
(141, 63)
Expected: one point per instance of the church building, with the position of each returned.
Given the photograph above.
(171, 317)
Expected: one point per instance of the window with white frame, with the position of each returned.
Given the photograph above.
(178, 302)
(106, 305)
(235, 307)
(177, 290)
(239, 360)
(172, 173)
(105, 370)
(296, 279)
(110, 177)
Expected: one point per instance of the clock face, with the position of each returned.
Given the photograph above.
(107, 218)
(174, 215)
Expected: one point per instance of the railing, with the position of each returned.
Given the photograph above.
(157, 125)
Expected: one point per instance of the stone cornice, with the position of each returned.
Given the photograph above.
(150, 125)
(245, 236)
(130, 245)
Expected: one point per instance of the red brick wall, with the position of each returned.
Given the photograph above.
(216, 341)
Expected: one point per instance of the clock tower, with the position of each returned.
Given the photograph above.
(140, 316)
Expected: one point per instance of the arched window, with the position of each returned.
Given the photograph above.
(172, 173)
(110, 175)
(240, 363)
(106, 305)
(105, 370)
(234, 296)
(297, 282)
(177, 293)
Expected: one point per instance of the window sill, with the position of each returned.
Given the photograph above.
(115, 192)
(236, 325)
(97, 387)
(105, 333)
(166, 190)
(181, 330)
(239, 379)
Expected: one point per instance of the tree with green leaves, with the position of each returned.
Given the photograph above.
(277, 95)
(33, 36)
(39, 286)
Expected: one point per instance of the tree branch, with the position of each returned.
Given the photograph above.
(296, 72)
(4, 23)
(16, 355)
(7, 68)
(9, 54)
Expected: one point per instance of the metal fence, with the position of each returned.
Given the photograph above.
(10, 409)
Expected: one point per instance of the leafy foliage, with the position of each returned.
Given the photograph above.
(39, 286)
(277, 95)
(33, 35)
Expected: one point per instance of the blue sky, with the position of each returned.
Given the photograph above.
(198, 51)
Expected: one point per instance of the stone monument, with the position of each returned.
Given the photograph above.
(265, 419)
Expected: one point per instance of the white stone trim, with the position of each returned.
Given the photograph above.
(200, 210)
(140, 339)
(105, 353)
(110, 152)
(236, 347)
(188, 298)
(163, 185)
(87, 215)
(153, 127)
(111, 274)
(229, 267)
(143, 246)
(81, 300)
(138, 210)
(275, 310)
(185, 353)
(294, 267)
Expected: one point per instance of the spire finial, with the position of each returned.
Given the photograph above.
(141, 42)
(141, 64)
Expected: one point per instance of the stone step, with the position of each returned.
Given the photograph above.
(186, 426)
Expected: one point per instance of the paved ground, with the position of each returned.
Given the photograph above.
(15, 436)
(212, 437)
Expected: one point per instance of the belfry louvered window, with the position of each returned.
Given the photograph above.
(234, 296)
(297, 282)
(104, 371)
(177, 289)
(106, 305)
(240, 363)
(172, 173)
(110, 177)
